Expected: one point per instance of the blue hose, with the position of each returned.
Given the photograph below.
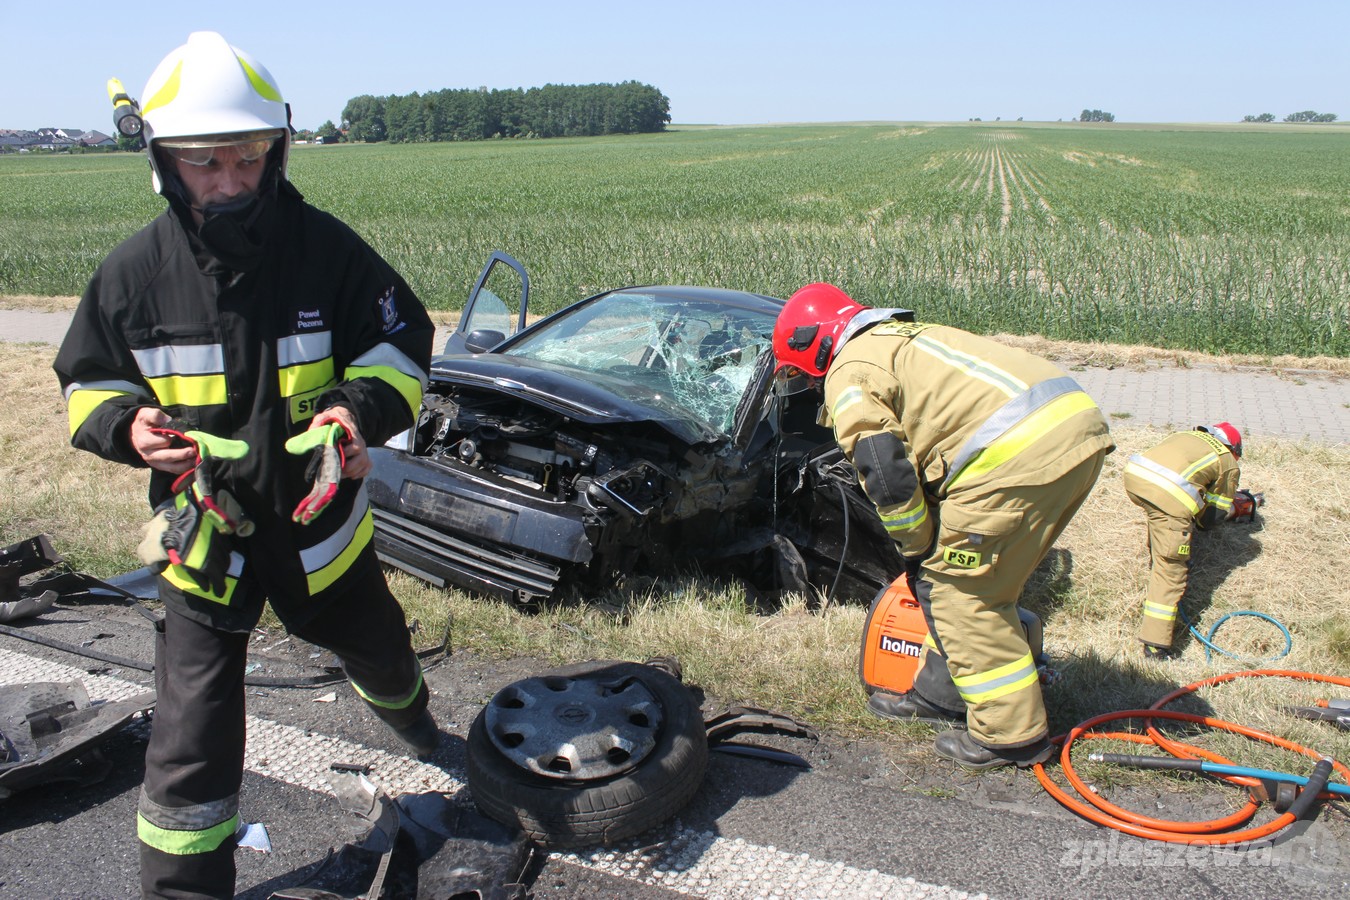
(1268, 775)
(1211, 648)
(1191, 765)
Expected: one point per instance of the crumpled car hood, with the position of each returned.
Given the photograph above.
(593, 400)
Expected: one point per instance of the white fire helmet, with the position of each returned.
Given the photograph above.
(207, 93)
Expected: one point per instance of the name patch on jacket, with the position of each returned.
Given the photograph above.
(389, 312)
(306, 319)
(903, 329)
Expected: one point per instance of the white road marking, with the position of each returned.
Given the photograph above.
(687, 861)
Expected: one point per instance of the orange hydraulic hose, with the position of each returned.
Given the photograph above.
(1104, 813)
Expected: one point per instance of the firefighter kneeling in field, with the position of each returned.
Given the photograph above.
(976, 455)
(1190, 478)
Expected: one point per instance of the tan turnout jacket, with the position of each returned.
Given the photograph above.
(927, 411)
(1189, 474)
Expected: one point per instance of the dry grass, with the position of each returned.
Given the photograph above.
(1080, 353)
(1290, 565)
(38, 304)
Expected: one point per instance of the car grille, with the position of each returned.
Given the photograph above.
(441, 559)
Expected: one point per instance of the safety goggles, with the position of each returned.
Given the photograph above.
(201, 151)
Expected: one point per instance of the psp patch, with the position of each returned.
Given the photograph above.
(962, 559)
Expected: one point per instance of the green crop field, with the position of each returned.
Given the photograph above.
(1229, 240)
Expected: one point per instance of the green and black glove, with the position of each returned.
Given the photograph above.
(191, 530)
(324, 472)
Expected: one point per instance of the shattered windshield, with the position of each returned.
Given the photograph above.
(691, 357)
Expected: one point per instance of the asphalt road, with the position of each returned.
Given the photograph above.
(862, 821)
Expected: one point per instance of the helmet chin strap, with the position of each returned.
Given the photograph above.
(229, 207)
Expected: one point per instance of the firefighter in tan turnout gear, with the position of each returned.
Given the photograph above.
(976, 455)
(1191, 478)
(244, 346)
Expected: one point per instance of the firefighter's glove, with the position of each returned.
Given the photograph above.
(186, 534)
(1245, 504)
(200, 481)
(324, 445)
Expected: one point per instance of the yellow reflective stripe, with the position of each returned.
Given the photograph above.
(1159, 611)
(190, 390)
(83, 403)
(179, 578)
(1159, 480)
(402, 703)
(850, 397)
(997, 682)
(907, 518)
(306, 377)
(1025, 433)
(971, 365)
(408, 387)
(1199, 464)
(1220, 501)
(330, 572)
(186, 842)
(265, 89)
(165, 95)
(928, 640)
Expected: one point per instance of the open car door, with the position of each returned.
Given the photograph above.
(491, 315)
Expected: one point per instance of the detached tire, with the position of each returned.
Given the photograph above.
(656, 762)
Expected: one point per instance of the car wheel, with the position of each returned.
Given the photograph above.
(587, 754)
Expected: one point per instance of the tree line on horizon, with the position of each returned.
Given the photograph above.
(463, 114)
(1306, 115)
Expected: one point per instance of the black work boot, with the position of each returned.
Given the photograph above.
(910, 707)
(420, 735)
(960, 747)
(1159, 654)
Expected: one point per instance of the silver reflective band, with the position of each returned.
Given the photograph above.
(1005, 417)
(1162, 471)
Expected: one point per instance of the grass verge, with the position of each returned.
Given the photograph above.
(803, 661)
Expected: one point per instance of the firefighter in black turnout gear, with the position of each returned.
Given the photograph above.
(239, 320)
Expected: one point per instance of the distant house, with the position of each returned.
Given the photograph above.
(96, 139)
(12, 140)
(55, 139)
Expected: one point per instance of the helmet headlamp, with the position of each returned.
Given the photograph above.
(126, 113)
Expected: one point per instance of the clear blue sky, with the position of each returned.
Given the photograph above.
(725, 62)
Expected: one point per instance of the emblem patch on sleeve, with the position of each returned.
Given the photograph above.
(389, 312)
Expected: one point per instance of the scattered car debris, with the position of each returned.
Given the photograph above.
(50, 733)
(420, 845)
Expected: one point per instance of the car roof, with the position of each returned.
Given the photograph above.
(725, 296)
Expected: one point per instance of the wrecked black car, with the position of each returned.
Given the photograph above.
(636, 432)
